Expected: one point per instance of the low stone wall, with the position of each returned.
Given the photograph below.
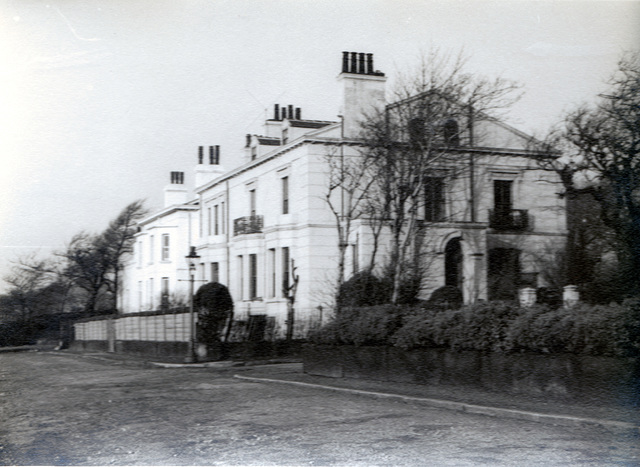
(594, 380)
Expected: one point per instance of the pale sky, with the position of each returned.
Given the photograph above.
(101, 99)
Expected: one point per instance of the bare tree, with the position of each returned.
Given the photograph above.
(119, 239)
(347, 191)
(38, 285)
(93, 262)
(414, 142)
(603, 146)
(87, 265)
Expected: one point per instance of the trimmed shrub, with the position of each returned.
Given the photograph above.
(214, 305)
(482, 326)
(599, 330)
(361, 326)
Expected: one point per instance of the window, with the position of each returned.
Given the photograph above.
(503, 273)
(285, 271)
(140, 254)
(451, 133)
(164, 291)
(417, 133)
(215, 272)
(151, 247)
(150, 294)
(223, 217)
(502, 196)
(216, 218)
(434, 199)
(272, 272)
(285, 195)
(165, 247)
(253, 276)
(139, 295)
(240, 278)
(252, 202)
(209, 221)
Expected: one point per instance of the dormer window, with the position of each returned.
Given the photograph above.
(254, 152)
(285, 136)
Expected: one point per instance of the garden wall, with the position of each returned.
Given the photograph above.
(569, 378)
(165, 336)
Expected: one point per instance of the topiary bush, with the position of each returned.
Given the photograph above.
(214, 305)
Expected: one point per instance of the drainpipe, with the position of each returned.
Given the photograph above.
(472, 198)
(228, 235)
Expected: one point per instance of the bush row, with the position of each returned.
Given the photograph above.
(607, 330)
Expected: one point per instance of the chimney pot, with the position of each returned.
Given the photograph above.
(370, 64)
(248, 140)
(276, 112)
(200, 154)
(345, 62)
(361, 64)
(290, 112)
(217, 158)
(284, 113)
(354, 62)
(298, 113)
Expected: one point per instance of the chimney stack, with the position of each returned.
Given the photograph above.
(363, 90)
(175, 193)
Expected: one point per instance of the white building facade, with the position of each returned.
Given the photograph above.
(260, 226)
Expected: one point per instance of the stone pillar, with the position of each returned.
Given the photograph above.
(570, 295)
(527, 297)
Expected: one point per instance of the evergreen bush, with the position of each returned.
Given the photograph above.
(599, 330)
(361, 326)
(214, 305)
(362, 289)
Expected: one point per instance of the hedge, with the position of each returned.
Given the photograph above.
(604, 330)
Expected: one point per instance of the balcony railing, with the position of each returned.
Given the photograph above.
(248, 225)
(512, 219)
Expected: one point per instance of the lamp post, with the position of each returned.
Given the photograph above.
(191, 354)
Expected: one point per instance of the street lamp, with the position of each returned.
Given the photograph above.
(191, 354)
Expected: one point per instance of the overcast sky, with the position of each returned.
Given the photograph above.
(101, 99)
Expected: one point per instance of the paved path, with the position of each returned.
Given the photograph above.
(58, 409)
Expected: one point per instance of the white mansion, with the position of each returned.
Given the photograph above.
(491, 233)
